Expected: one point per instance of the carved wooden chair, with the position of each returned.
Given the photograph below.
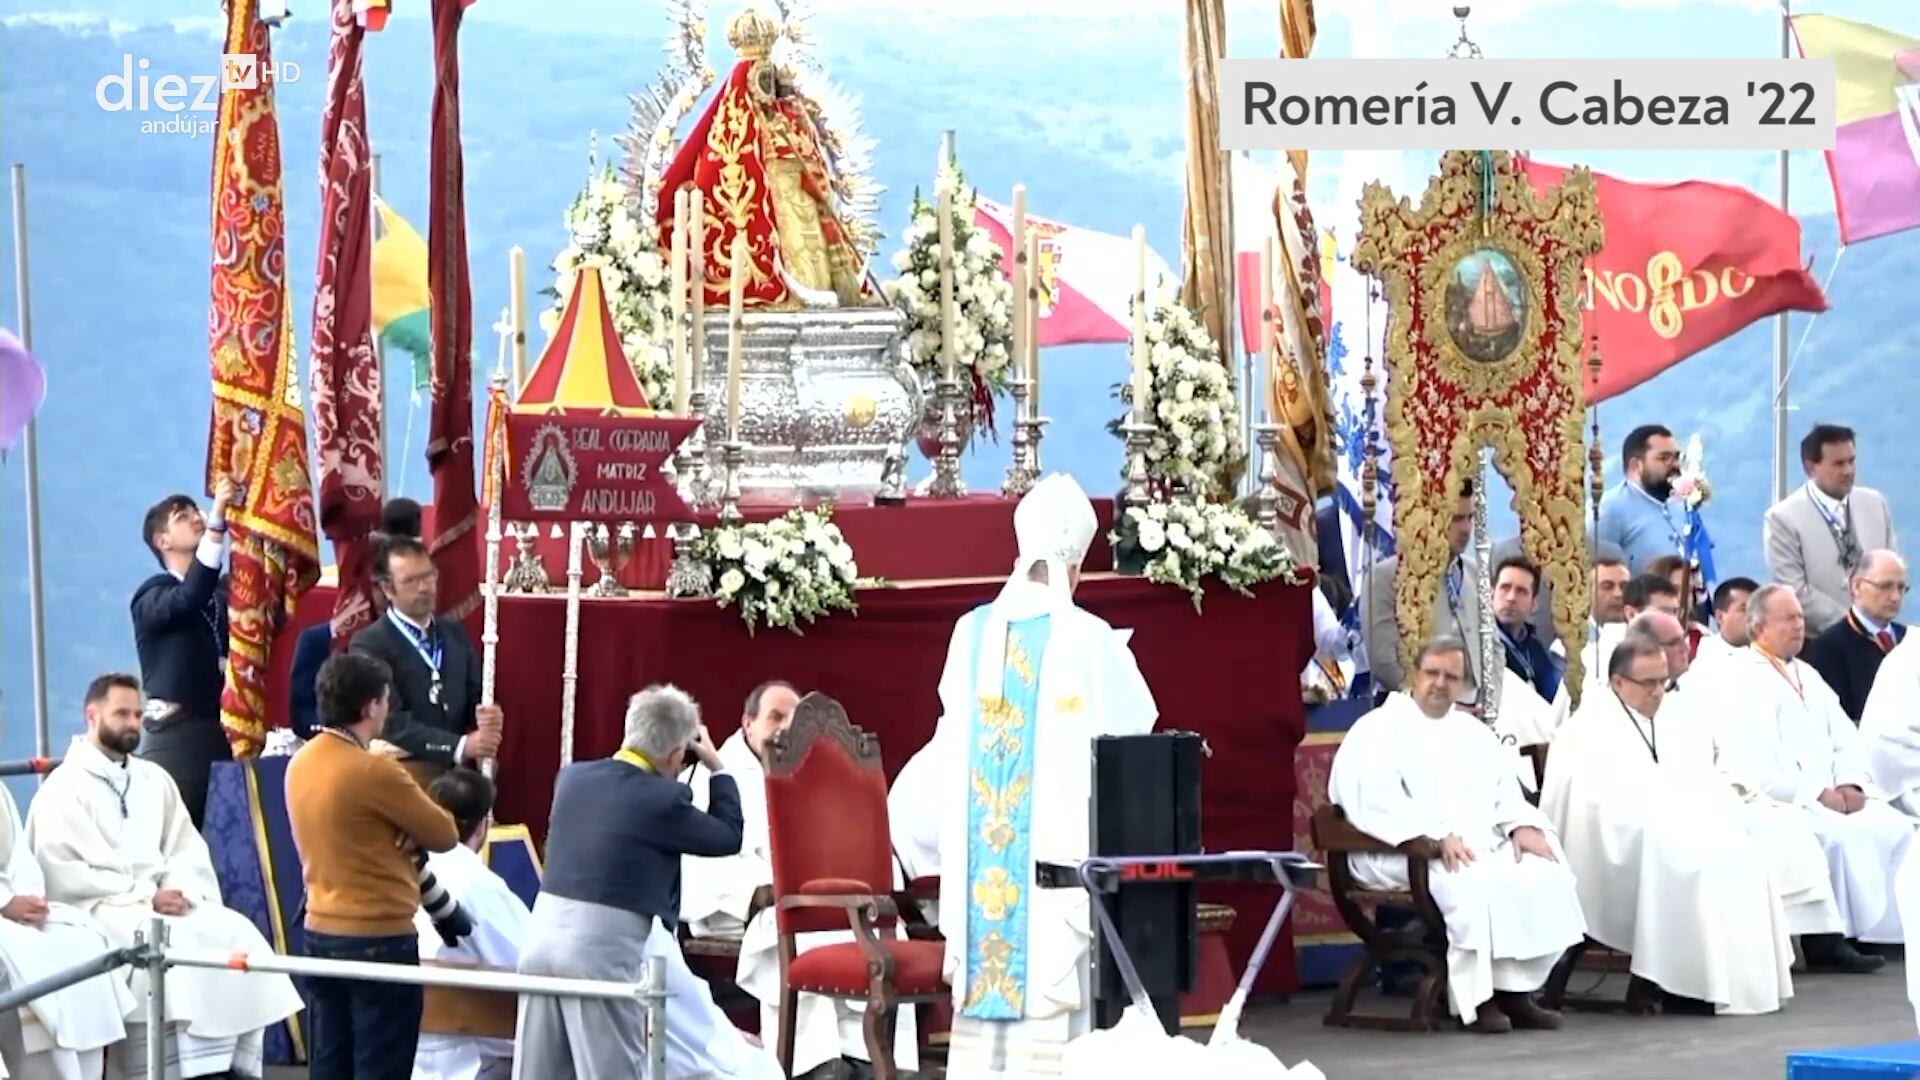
(1422, 942)
(832, 859)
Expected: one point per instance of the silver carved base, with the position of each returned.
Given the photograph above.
(610, 551)
(688, 576)
(820, 406)
(946, 463)
(1266, 499)
(697, 483)
(1139, 437)
(732, 454)
(1020, 471)
(526, 574)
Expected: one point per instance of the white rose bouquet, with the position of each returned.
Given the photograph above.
(794, 568)
(982, 295)
(634, 272)
(1691, 482)
(1185, 543)
(1197, 442)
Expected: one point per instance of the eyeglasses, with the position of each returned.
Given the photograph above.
(1900, 587)
(1645, 684)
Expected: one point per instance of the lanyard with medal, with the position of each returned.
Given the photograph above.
(432, 650)
(1843, 537)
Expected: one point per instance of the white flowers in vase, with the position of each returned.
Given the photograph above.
(633, 271)
(783, 572)
(1197, 440)
(982, 295)
(1184, 544)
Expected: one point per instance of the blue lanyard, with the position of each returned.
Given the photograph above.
(431, 648)
(1455, 583)
(1820, 508)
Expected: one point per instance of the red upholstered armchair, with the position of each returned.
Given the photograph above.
(833, 870)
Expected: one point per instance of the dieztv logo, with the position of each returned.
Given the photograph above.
(189, 104)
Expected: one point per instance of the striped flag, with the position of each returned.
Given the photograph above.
(258, 433)
(1085, 277)
(1875, 160)
(402, 299)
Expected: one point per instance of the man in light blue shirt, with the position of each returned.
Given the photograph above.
(1635, 514)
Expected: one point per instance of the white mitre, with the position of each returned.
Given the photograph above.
(1054, 523)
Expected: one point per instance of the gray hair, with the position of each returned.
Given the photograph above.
(1640, 640)
(660, 720)
(1872, 561)
(1443, 645)
(1760, 601)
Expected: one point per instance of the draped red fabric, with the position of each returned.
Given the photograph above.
(450, 450)
(347, 408)
(257, 433)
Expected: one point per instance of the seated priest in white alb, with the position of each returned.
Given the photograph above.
(500, 921)
(64, 1034)
(114, 838)
(1658, 843)
(1417, 767)
(1642, 593)
(1781, 733)
(1890, 728)
(914, 821)
(1730, 638)
(1030, 681)
(1606, 613)
(716, 894)
(1533, 703)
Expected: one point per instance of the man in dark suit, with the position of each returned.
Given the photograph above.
(398, 517)
(435, 715)
(1847, 654)
(180, 631)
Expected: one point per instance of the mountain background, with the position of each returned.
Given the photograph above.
(1082, 102)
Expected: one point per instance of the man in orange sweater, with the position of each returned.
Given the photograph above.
(358, 820)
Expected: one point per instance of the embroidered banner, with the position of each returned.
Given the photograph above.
(258, 432)
(592, 468)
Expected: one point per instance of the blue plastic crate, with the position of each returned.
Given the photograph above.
(1901, 1060)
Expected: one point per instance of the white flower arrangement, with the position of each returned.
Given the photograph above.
(1690, 483)
(1183, 544)
(794, 568)
(1197, 439)
(982, 296)
(633, 271)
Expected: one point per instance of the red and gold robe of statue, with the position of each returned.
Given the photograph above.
(755, 158)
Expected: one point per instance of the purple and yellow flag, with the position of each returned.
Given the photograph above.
(1875, 160)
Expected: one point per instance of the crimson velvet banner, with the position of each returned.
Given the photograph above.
(884, 664)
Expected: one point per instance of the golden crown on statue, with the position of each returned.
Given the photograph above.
(753, 35)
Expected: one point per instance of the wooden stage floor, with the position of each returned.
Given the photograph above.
(1827, 1011)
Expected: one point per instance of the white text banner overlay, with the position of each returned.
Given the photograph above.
(1446, 104)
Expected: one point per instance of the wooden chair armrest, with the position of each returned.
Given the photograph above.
(864, 909)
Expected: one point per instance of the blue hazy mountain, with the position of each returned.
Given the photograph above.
(1092, 126)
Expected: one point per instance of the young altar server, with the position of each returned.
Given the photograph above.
(609, 901)
(1781, 733)
(1030, 681)
(1890, 728)
(1418, 767)
(65, 1033)
(1658, 842)
(112, 833)
(500, 922)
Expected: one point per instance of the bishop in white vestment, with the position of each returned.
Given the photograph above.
(65, 1033)
(1030, 681)
(115, 840)
(1658, 841)
(717, 893)
(1782, 733)
(1417, 767)
(1890, 728)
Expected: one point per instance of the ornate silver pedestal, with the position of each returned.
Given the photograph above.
(1139, 437)
(946, 463)
(1020, 471)
(688, 576)
(610, 550)
(526, 574)
(697, 482)
(820, 407)
(1266, 499)
(732, 453)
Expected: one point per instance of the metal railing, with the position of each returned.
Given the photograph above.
(36, 766)
(150, 952)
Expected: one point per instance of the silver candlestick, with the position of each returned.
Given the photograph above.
(946, 464)
(1020, 472)
(1266, 499)
(733, 454)
(688, 576)
(1035, 427)
(1139, 437)
(527, 574)
(699, 479)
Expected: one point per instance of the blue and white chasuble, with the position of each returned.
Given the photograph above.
(999, 827)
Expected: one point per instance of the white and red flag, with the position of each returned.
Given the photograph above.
(1085, 277)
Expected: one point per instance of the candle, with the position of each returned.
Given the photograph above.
(1020, 271)
(678, 327)
(946, 283)
(736, 331)
(1268, 353)
(1032, 358)
(517, 288)
(1140, 360)
(697, 270)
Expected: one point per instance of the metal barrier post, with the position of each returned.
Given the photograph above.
(100, 965)
(656, 1006)
(156, 961)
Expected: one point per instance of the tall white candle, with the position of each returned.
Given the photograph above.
(736, 331)
(1141, 363)
(678, 276)
(1032, 358)
(517, 291)
(697, 270)
(1268, 327)
(947, 312)
(1020, 271)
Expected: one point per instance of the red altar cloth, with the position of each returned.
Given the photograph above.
(1228, 674)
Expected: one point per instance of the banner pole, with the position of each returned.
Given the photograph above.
(30, 462)
(1782, 362)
